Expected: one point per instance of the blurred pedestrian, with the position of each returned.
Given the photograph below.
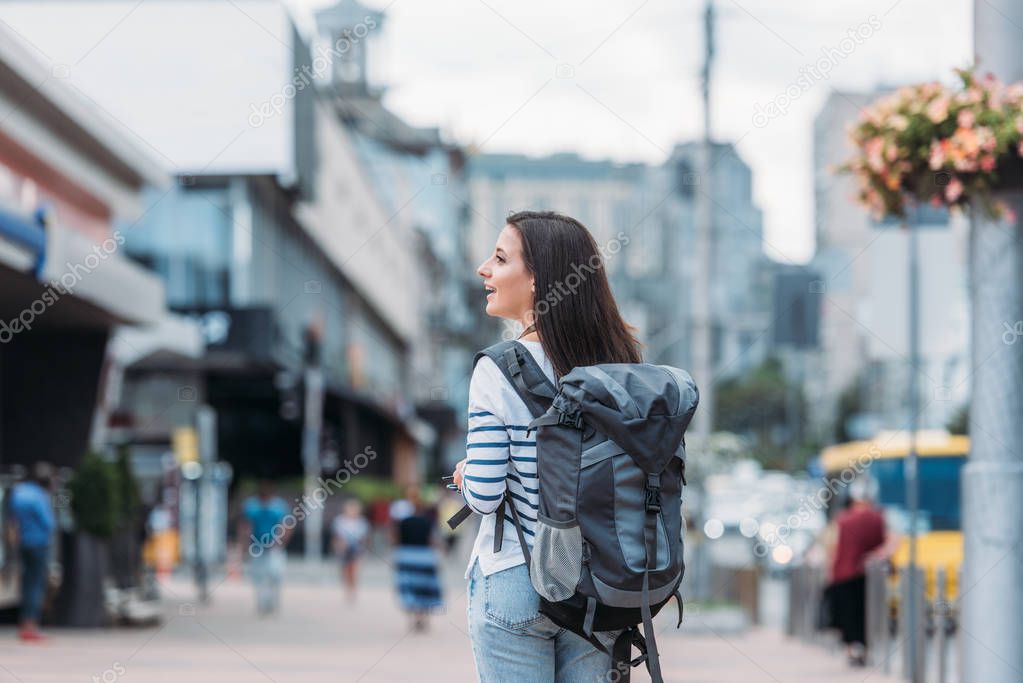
(263, 526)
(31, 532)
(862, 537)
(415, 560)
(351, 534)
(403, 507)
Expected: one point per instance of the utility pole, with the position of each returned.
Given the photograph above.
(992, 482)
(703, 271)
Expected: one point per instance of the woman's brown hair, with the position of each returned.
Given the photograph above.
(573, 308)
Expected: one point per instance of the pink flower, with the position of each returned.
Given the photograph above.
(987, 138)
(987, 163)
(873, 147)
(966, 119)
(937, 110)
(868, 116)
(964, 164)
(996, 97)
(938, 154)
(953, 190)
(968, 140)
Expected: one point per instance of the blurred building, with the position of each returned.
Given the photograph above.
(421, 180)
(741, 284)
(608, 198)
(307, 222)
(67, 179)
(654, 209)
(864, 299)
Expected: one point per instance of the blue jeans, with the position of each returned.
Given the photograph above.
(511, 641)
(267, 572)
(33, 581)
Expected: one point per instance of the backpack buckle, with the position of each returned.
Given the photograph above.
(652, 499)
(570, 420)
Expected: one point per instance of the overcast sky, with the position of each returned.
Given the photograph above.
(606, 80)
(487, 70)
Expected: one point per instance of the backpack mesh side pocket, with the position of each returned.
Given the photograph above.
(557, 559)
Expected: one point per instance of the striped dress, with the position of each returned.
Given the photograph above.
(499, 457)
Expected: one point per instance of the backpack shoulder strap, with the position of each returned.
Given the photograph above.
(519, 367)
(517, 364)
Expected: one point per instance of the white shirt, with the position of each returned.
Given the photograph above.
(351, 530)
(500, 457)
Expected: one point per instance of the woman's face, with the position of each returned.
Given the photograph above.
(507, 281)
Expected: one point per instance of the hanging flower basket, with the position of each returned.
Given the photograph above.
(939, 145)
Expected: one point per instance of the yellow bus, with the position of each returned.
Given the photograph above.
(941, 458)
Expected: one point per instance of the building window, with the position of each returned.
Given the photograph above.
(185, 238)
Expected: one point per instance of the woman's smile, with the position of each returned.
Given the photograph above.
(507, 266)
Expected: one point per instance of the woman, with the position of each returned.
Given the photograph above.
(416, 562)
(547, 274)
(351, 531)
(861, 537)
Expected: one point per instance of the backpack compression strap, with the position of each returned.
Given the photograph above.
(653, 506)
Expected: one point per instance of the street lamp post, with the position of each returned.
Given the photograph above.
(202, 479)
(915, 673)
(311, 433)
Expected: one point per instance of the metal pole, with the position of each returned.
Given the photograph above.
(910, 588)
(703, 271)
(884, 618)
(794, 360)
(919, 660)
(206, 428)
(941, 619)
(992, 480)
(313, 524)
(910, 463)
(790, 622)
(875, 606)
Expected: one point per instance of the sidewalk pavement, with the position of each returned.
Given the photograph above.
(319, 637)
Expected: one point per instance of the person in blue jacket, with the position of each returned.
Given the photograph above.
(31, 529)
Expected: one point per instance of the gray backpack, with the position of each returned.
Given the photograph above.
(607, 549)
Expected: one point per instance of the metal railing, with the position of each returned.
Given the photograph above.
(890, 645)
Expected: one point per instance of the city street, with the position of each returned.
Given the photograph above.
(318, 637)
(731, 293)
